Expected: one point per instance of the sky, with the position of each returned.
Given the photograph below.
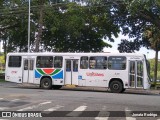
(148, 52)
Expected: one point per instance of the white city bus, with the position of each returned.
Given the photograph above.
(54, 70)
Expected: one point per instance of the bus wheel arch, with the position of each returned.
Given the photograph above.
(46, 82)
(116, 85)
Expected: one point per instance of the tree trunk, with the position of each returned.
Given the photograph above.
(5, 49)
(40, 25)
(156, 65)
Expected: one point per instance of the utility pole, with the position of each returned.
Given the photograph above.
(29, 25)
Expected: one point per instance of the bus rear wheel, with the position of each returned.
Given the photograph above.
(46, 83)
(116, 87)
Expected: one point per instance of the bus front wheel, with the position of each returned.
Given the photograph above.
(46, 83)
(116, 87)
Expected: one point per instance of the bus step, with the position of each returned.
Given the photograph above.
(70, 86)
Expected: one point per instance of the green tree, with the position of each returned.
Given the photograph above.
(2, 62)
(153, 36)
(77, 28)
(152, 68)
(60, 25)
(14, 24)
(135, 20)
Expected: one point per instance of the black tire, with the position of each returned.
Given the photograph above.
(123, 89)
(46, 83)
(116, 87)
(56, 87)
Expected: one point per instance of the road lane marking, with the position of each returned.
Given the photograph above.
(3, 108)
(34, 106)
(127, 114)
(1, 98)
(76, 112)
(102, 113)
(80, 108)
(14, 100)
(45, 103)
(101, 118)
(54, 108)
(27, 108)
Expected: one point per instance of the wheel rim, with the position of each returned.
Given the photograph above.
(46, 83)
(115, 86)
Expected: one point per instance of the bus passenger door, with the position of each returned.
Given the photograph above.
(28, 73)
(71, 72)
(136, 74)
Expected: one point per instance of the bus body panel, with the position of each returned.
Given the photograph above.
(71, 73)
(121, 75)
(13, 75)
(93, 78)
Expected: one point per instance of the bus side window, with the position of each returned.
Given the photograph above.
(44, 62)
(31, 65)
(98, 62)
(140, 68)
(58, 60)
(68, 65)
(25, 64)
(92, 64)
(84, 62)
(117, 63)
(75, 66)
(14, 61)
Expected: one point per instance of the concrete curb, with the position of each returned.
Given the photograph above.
(134, 91)
(141, 91)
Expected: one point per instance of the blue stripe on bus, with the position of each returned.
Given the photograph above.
(58, 76)
(37, 75)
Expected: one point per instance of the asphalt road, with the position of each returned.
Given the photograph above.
(23, 102)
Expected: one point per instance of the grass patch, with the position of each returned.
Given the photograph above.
(157, 83)
(155, 86)
(2, 80)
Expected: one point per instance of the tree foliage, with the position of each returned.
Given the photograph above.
(14, 25)
(135, 20)
(64, 26)
(82, 28)
(142, 24)
(2, 62)
(152, 68)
